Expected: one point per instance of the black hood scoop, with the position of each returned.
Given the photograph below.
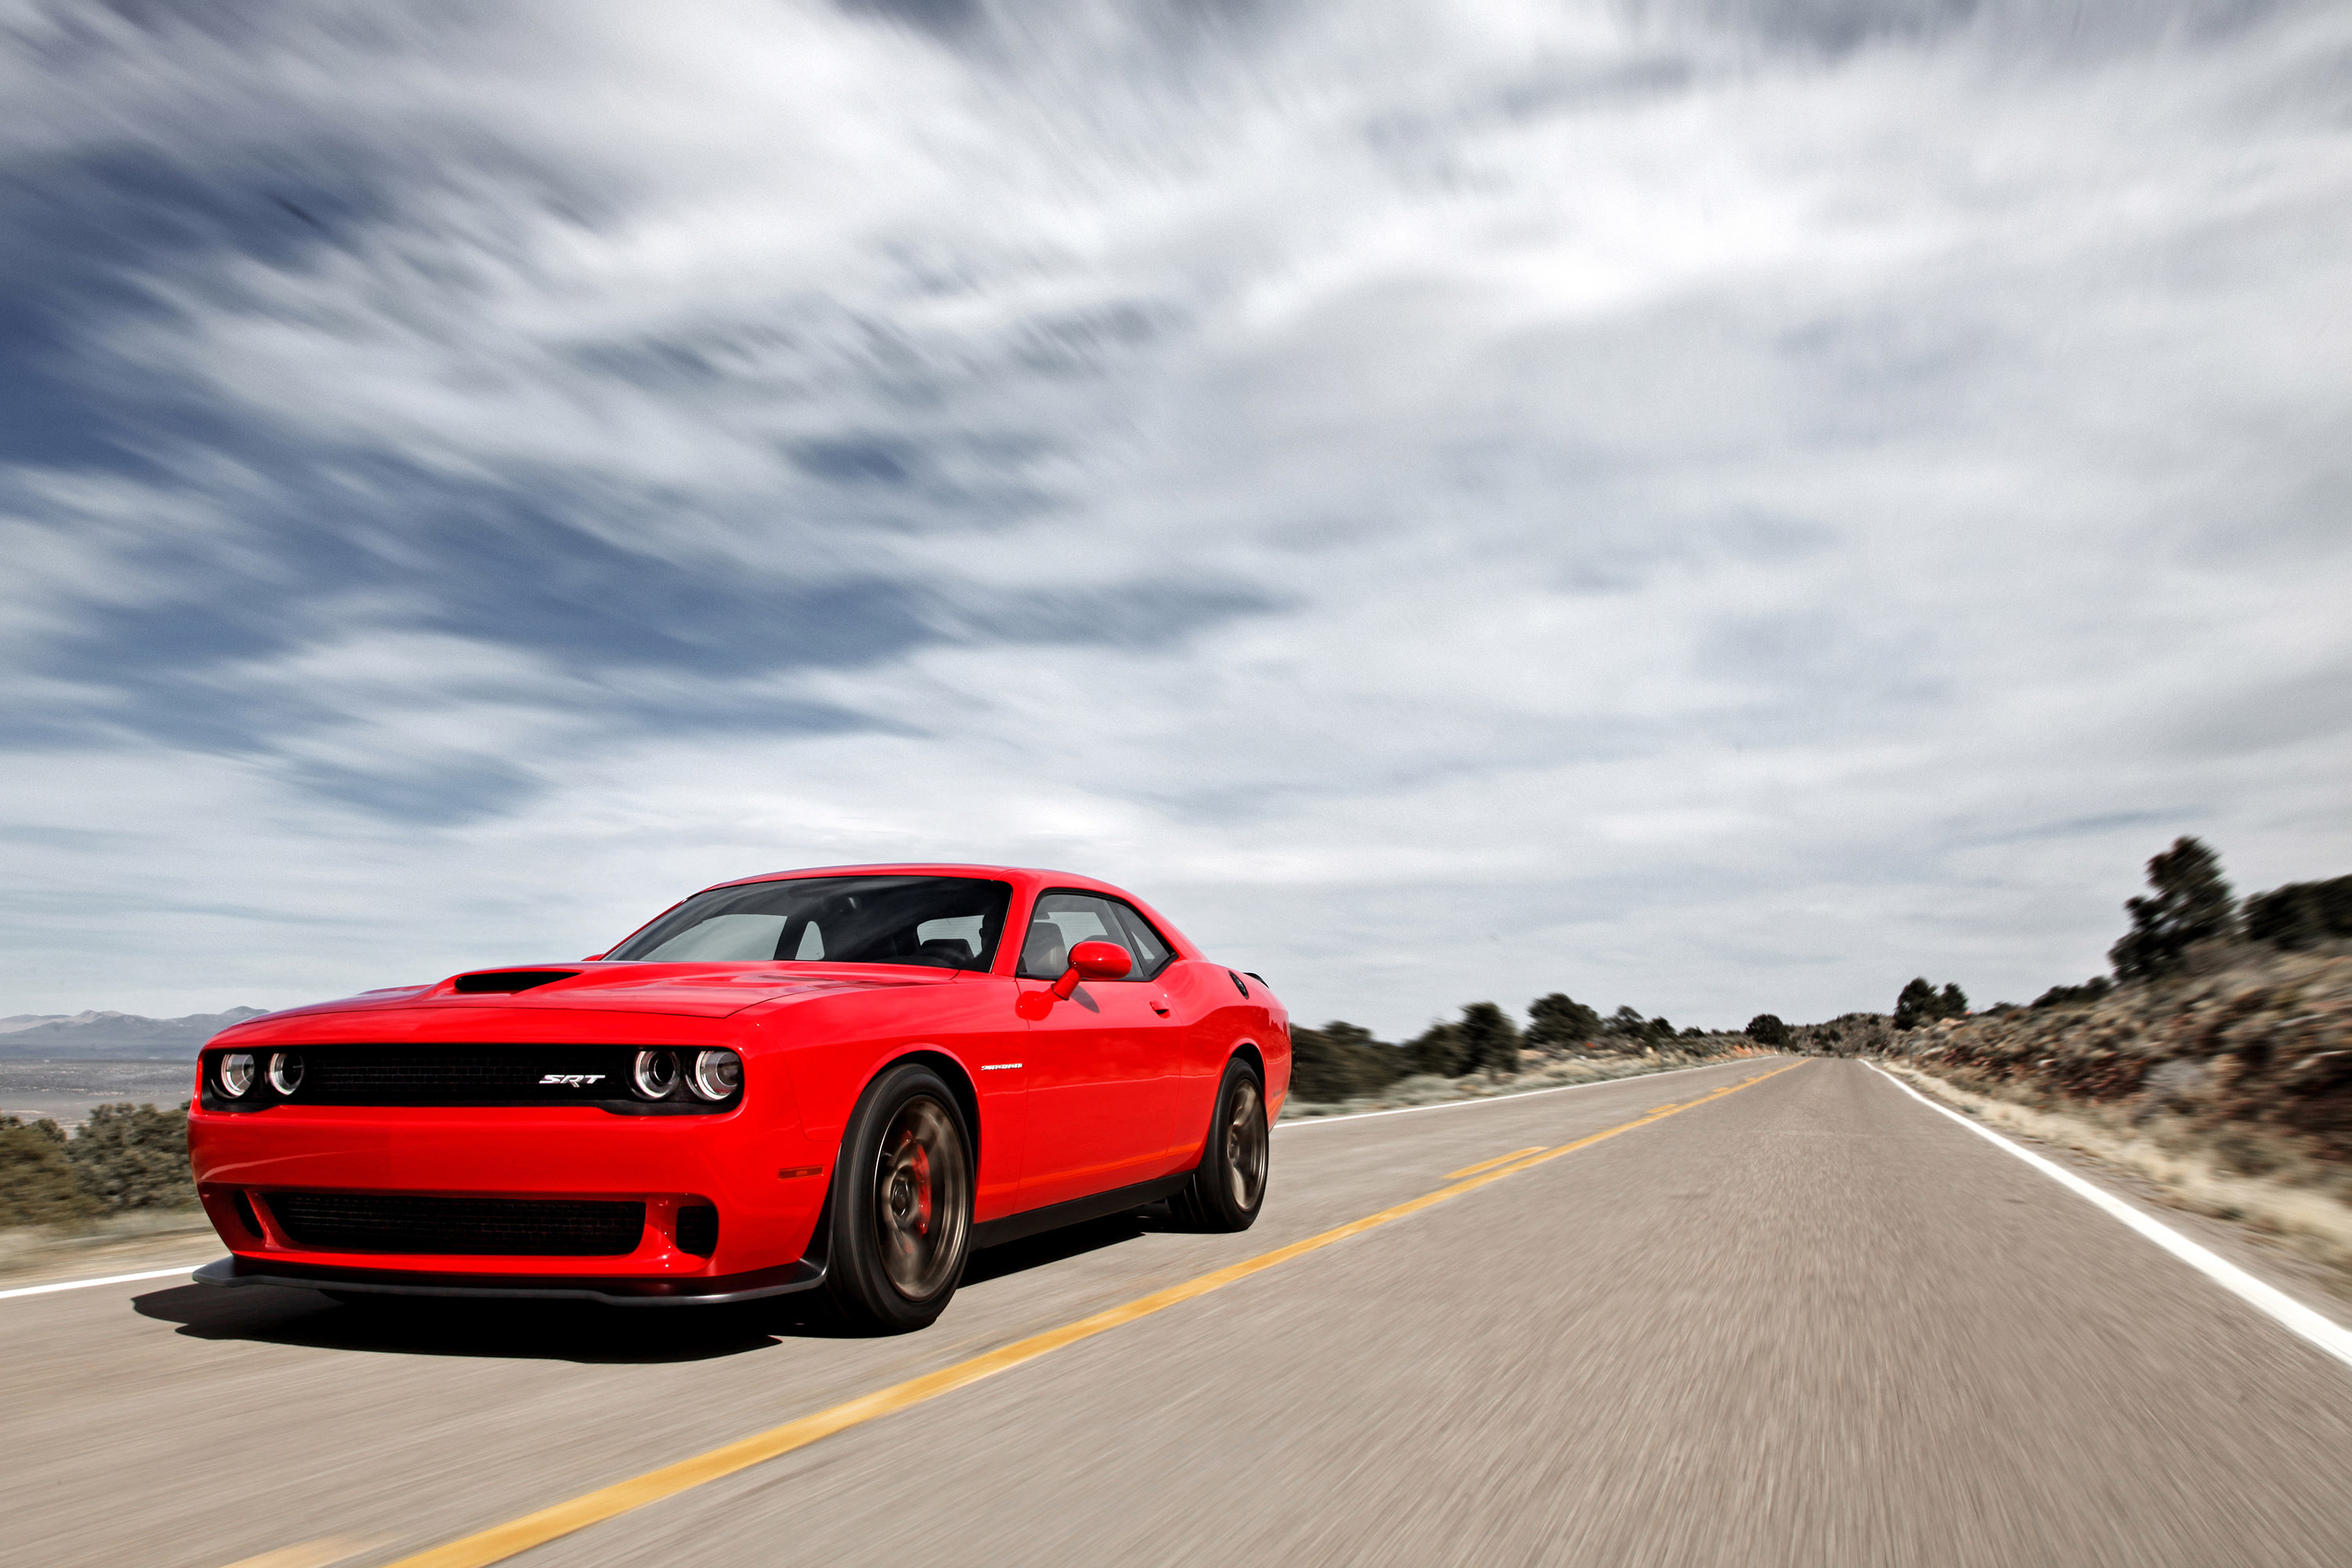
(509, 980)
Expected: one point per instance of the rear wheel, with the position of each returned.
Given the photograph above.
(1228, 1186)
(902, 1203)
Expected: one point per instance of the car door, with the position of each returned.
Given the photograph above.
(1100, 1065)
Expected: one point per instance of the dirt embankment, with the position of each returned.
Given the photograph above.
(2230, 1085)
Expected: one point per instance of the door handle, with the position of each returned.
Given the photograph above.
(1160, 1005)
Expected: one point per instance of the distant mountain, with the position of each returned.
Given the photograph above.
(124, 1036)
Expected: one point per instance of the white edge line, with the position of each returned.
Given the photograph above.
(1503, 1099)
(2292, 1314)
(105, 1279)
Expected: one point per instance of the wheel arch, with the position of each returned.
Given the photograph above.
(959, 1083)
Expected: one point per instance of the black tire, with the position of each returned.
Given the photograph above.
(901, 1203)
(1228, 1186)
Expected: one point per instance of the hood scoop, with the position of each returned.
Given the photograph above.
(509, 980)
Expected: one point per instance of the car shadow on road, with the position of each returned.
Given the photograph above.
(1053, 1245)
(580, 1331)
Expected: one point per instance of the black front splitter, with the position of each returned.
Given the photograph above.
(701, 1292)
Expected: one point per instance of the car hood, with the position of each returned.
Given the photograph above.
(692, 990)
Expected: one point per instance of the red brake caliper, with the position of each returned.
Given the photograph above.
(922, 1191)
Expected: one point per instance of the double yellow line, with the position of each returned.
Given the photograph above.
(502, 1541)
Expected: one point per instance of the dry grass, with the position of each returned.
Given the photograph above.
(100, 1243)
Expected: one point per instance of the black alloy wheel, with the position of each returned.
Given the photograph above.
(902, 1202)
(1228, 1186)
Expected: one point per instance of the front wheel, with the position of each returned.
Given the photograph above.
(1228, 1186)
(901, 1203)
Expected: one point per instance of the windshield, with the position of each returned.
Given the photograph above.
(938, 923)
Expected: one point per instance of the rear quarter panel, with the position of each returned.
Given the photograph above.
(1222, 1020)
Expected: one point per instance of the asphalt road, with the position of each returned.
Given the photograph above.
(1808, 1323)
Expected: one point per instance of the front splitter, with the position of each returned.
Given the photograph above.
(713, 1291)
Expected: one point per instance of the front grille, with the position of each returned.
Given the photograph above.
(470, 1074)
(403, 1075)
(533, 1227)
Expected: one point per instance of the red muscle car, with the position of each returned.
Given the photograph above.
(844, 1080)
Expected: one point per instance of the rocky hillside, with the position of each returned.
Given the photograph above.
(2246, 1058)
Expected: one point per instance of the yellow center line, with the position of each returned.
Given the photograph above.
(502, 1541)
(316, 1554)
(1489, 1164)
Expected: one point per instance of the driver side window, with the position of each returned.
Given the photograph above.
(1062, 920)
(1060, 923)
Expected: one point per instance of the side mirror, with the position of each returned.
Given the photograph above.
(1093, 961)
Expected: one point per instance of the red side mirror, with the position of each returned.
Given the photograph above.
(1100, 960)
(1093, 961)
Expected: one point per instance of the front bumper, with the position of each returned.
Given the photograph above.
(704, 1291)
(766, 1181)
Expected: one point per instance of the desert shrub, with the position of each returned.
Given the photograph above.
(37, 1186)
(1558, 1022)
(1490, 1041)
(1440, 1049)
(134, 1157)
(1342, 1061)
(2090, 990)
(2189, 902)
(1921, 1003)
(1766, 1029)
(2301, 913)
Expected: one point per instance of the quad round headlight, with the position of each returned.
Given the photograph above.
(715, 1074)
(235, 1074)
(655, 1075)
(286, 1071)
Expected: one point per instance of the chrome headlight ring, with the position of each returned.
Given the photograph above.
(716, 1075)
(285, 1072)
(655, 1074)
(237, 1073)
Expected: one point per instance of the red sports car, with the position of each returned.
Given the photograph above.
(845, 1079)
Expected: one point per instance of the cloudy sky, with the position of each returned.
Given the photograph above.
(1714, 505)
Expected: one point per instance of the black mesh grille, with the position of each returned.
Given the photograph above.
(697, 1229)
(377, 1074)
(470, 1074)
(536, 1227)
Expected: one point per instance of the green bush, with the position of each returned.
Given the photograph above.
(1490, 1041)
(1558, 1022)
(1341, 1061)
(134, 1157)
(37, 1184)
(2189, 902)
(2091, 990)
(1766, 1029)
(2301, 913)
(1921, 1003)
(1440, 1049)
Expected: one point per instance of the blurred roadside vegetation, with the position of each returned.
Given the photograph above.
(2215, 1059)
(126, 1157)
(1563, 1040)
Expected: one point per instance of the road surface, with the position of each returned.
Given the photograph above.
(1805, 1321)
